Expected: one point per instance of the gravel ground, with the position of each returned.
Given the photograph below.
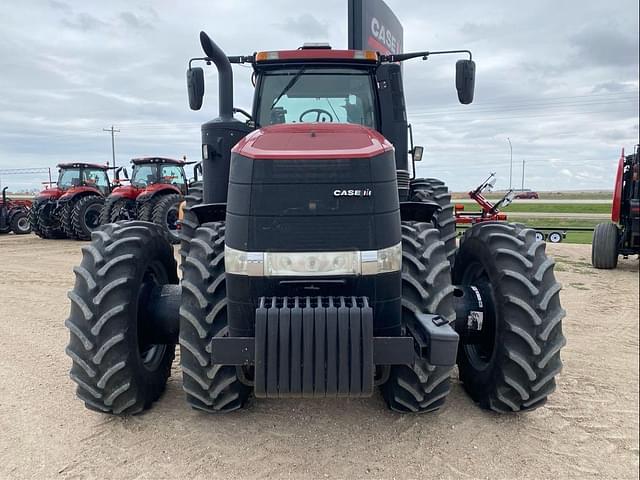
(588, 429)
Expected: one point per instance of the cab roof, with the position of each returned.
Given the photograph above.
(145, 160)
(82, 165)
(311, 54)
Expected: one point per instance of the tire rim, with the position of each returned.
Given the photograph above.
(554, 238)
(539, 236)
(92, 216)
(481, 355)
(150, 354)
(172, 222)
(23, 224)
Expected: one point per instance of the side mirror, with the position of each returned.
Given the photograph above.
(195, 87)
(126, 174)
(465, 80)
(417, 153)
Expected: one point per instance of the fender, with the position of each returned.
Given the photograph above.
(210, 212)
(75, 192)
(616, 206)
(418, 211)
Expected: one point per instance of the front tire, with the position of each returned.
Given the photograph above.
(604, 246)
(514, 367)
(116, 372)
(203, 315)
(426, 287)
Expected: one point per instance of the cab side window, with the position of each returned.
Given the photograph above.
(174, 175)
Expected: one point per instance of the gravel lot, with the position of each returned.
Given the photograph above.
(588, 429)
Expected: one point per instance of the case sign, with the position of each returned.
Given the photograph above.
(374, 26)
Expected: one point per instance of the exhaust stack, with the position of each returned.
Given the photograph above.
(225, 75)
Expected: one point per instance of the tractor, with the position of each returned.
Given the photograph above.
(14, 215)
(154, 194)
(317, 267)
(621, 236)
(71, 208)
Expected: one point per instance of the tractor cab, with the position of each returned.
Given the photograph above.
(316, 84)
(158, 171)
(78, 175)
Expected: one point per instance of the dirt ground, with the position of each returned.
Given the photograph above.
(588, 429)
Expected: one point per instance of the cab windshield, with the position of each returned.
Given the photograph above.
(69, 177)
(144, 175)
(316, 94)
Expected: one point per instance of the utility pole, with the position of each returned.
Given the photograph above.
(113, 144)
(522, 188)
(510, 163)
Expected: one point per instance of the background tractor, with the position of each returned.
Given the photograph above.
(317, 266)
(154, 193)
(621, 236)
(14, 215)
(72, 207)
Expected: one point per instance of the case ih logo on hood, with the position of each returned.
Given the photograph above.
(364, 192)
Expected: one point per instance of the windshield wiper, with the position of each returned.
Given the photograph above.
(288, 86)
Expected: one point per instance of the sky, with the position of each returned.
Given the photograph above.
(557, 78)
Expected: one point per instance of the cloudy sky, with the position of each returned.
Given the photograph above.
(559, 78)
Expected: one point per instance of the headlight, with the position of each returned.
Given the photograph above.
(312, 264)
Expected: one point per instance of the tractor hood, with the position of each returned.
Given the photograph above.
(52, 193)
(126, 191)
(312, 141)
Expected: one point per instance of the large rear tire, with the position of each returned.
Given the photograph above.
(426, 287)
(203, 315)
(116, 372)
(85, 216)
(189, 219)
(514, 367)
(604, 246)
(432, 189)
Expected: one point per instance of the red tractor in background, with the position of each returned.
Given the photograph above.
(621, 236)
(490, 211)
(72, 207)
(154, 193)
(14, 215)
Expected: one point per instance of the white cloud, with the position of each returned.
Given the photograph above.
(71, 68)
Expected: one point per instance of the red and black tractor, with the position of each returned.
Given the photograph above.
(154, 193)
(317, 266)
(71, 208)
(621, 236)
(14, 215)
